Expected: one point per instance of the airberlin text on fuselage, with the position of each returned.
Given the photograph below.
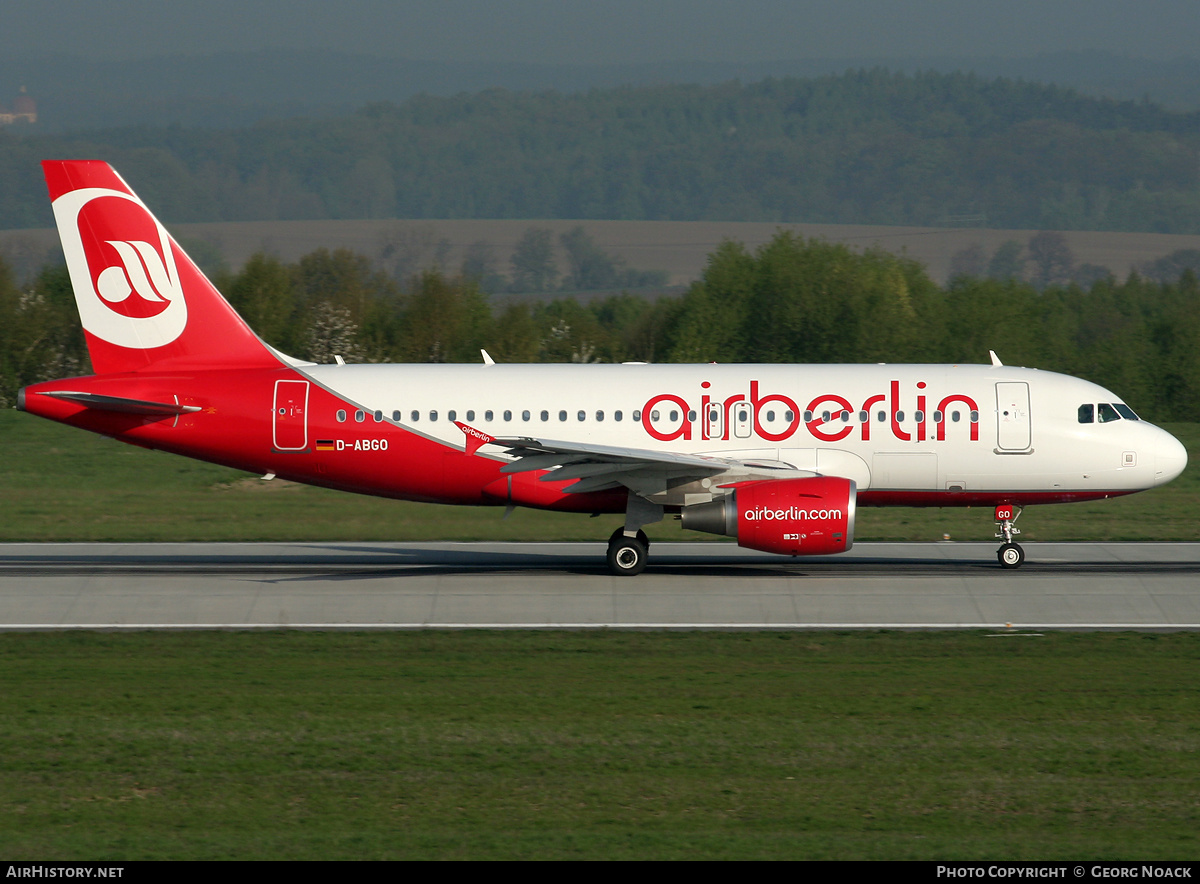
(933, 415)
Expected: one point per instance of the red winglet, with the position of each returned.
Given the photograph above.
(475, 438)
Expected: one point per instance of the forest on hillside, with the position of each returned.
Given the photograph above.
(791, 301)
(868, 147)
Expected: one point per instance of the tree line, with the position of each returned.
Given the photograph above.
(865, 147)
(793, 300)
(1046, 259)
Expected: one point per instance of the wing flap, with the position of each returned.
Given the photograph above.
(541, 454)
(603, 467)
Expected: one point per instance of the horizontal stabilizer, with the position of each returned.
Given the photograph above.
(121, 404)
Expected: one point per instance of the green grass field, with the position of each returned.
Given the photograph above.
(599, 745)
(57, 483)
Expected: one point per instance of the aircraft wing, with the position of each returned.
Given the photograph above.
(601, 467)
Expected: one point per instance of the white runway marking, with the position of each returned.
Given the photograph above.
(782, 627)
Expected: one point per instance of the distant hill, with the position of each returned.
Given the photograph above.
(864, 147)
(235, 89)
(680, 248)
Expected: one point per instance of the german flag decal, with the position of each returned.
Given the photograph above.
(325, 445)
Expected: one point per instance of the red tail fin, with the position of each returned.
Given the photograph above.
(142, 301)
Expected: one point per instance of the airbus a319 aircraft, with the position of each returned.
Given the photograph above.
(778, 456)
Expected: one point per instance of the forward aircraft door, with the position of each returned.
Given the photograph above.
(290, 424)
(1012, 416)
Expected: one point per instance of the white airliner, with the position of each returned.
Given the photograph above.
(778, 456)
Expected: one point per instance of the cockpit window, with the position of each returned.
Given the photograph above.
(1108, 413)
(1125, 411)
(1087, 414)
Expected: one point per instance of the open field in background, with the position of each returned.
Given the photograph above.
(679, 247)
(542, 745)
(62, 484)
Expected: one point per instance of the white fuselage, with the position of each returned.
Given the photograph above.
(951, 429)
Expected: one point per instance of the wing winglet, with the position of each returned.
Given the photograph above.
(474, 438)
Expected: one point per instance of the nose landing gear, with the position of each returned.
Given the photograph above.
(1010, 555)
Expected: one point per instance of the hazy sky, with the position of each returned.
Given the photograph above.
(604, 31)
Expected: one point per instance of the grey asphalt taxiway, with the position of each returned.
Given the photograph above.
(566, 585)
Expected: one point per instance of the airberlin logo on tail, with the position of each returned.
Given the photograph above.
(122, 268)
(136, 287)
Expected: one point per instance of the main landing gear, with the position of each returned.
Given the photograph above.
(1010, 555)
(627, 555)
(629, 547)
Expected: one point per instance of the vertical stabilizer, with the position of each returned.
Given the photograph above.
(142, 301)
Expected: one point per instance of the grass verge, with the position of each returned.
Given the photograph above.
(599, 745)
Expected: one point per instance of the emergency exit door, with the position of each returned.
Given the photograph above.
(290, 416)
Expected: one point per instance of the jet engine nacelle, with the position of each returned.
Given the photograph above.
(795, 517)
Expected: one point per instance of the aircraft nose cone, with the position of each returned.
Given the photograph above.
(1170, 457)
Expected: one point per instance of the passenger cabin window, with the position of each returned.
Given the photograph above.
(1087, 414)
(452, 415)
(341, 415)
(396, 415)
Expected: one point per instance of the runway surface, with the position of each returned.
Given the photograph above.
(548, 585)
